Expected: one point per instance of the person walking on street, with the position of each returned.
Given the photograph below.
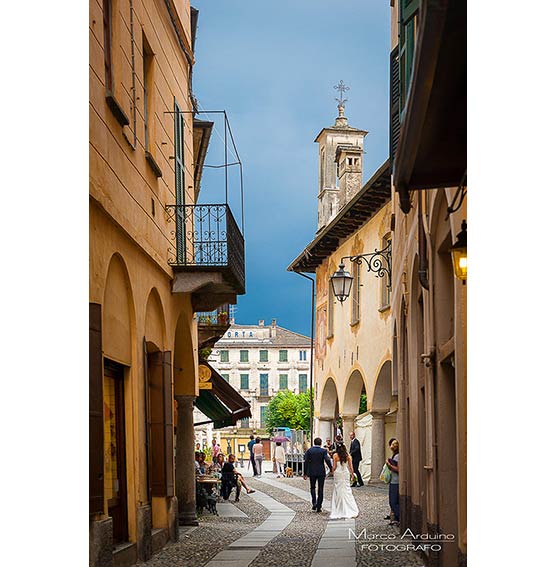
(250, 445)
(258, 452)
(279, 456)
(393, 465)
(314, 469)
(356, 456)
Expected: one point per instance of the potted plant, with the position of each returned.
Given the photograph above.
(222, 317)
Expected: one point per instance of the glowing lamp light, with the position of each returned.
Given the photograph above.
(458, 254)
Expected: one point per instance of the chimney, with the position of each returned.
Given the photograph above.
(261, 322)
(273, 330)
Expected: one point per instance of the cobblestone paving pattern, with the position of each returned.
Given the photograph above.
(373, 503)
(214, 533)
(296, 544)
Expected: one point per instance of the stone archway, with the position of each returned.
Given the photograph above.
(351, 403)
(329, 410)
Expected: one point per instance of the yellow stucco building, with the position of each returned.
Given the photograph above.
(353, 337)
(147, 276)
(428, 156)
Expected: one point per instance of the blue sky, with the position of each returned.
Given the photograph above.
(272, 66)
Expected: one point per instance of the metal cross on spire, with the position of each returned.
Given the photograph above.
(341, 87)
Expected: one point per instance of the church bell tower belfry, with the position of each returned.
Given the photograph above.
(340, 159)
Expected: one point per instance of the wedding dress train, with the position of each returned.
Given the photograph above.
(343, 503)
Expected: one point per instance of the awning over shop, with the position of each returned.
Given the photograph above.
(218, 400)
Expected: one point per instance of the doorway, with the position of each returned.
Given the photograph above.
(114, 449)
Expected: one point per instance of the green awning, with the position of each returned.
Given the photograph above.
(222, 404)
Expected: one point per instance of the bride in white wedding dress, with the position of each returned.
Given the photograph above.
(343, 503)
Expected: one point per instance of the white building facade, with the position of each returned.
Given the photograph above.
(259, 361)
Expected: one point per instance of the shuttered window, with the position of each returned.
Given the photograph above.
(179, 152)
(160, 423)
(283, 356)
(355, 298)
(394, 104)
(283, 382)
(264, 384)
(224, 356)
(407, 42)
(243, 356)
(263, 356)
(244, 381)
(302, 383)
(96, 419)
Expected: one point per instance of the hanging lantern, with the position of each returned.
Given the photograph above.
(458, 254)
(341, 283)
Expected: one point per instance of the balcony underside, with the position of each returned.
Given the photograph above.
(210, 286)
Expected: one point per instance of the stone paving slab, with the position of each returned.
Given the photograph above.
(229, 510)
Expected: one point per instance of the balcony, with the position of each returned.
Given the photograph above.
(212, 325)
(209, 255)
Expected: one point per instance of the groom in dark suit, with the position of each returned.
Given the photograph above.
(314, 460)
(356, 456)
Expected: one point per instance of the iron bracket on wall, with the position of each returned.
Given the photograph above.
(378, 262)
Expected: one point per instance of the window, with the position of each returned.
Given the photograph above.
(224, 356)
(263, 356)
(385, 283)
(302, 383)
(264, 384)
(244, 381)
(179, 153)
(302, 355)
(331, 300)
(263, 411)
(225, 377)
(147, 89)
(243, 356)
(283, 356)
(244, 423)
(355, 298)
(407, 41)
(283, 382)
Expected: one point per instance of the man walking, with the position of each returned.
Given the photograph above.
(250, 445)
(356, 456)
(314, 460)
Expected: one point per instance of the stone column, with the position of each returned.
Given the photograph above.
(185, 462)
(378, 445)
(348, 426)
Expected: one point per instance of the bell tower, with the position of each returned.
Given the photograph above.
(340, 157)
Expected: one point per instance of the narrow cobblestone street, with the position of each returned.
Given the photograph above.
(275, 527)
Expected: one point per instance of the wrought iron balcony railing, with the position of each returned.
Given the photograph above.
(207, 238)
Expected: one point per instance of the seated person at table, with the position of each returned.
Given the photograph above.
(220, 461)
(197, 466)
(202, 463)
(229, 467)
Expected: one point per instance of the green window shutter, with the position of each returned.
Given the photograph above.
(283, 382)
(244, 381)
(283, 356)
(244, 356)
(225, 377)
(408, 14)
(264, 384)
(302, 383)
(179, 124)
(263, 410)
(224, 356)
(263, 356)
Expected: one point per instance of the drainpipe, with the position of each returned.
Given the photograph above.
(422, 248)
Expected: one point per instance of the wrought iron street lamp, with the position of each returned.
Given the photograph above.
(341, 283)
(458, 254)
(378, 262)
